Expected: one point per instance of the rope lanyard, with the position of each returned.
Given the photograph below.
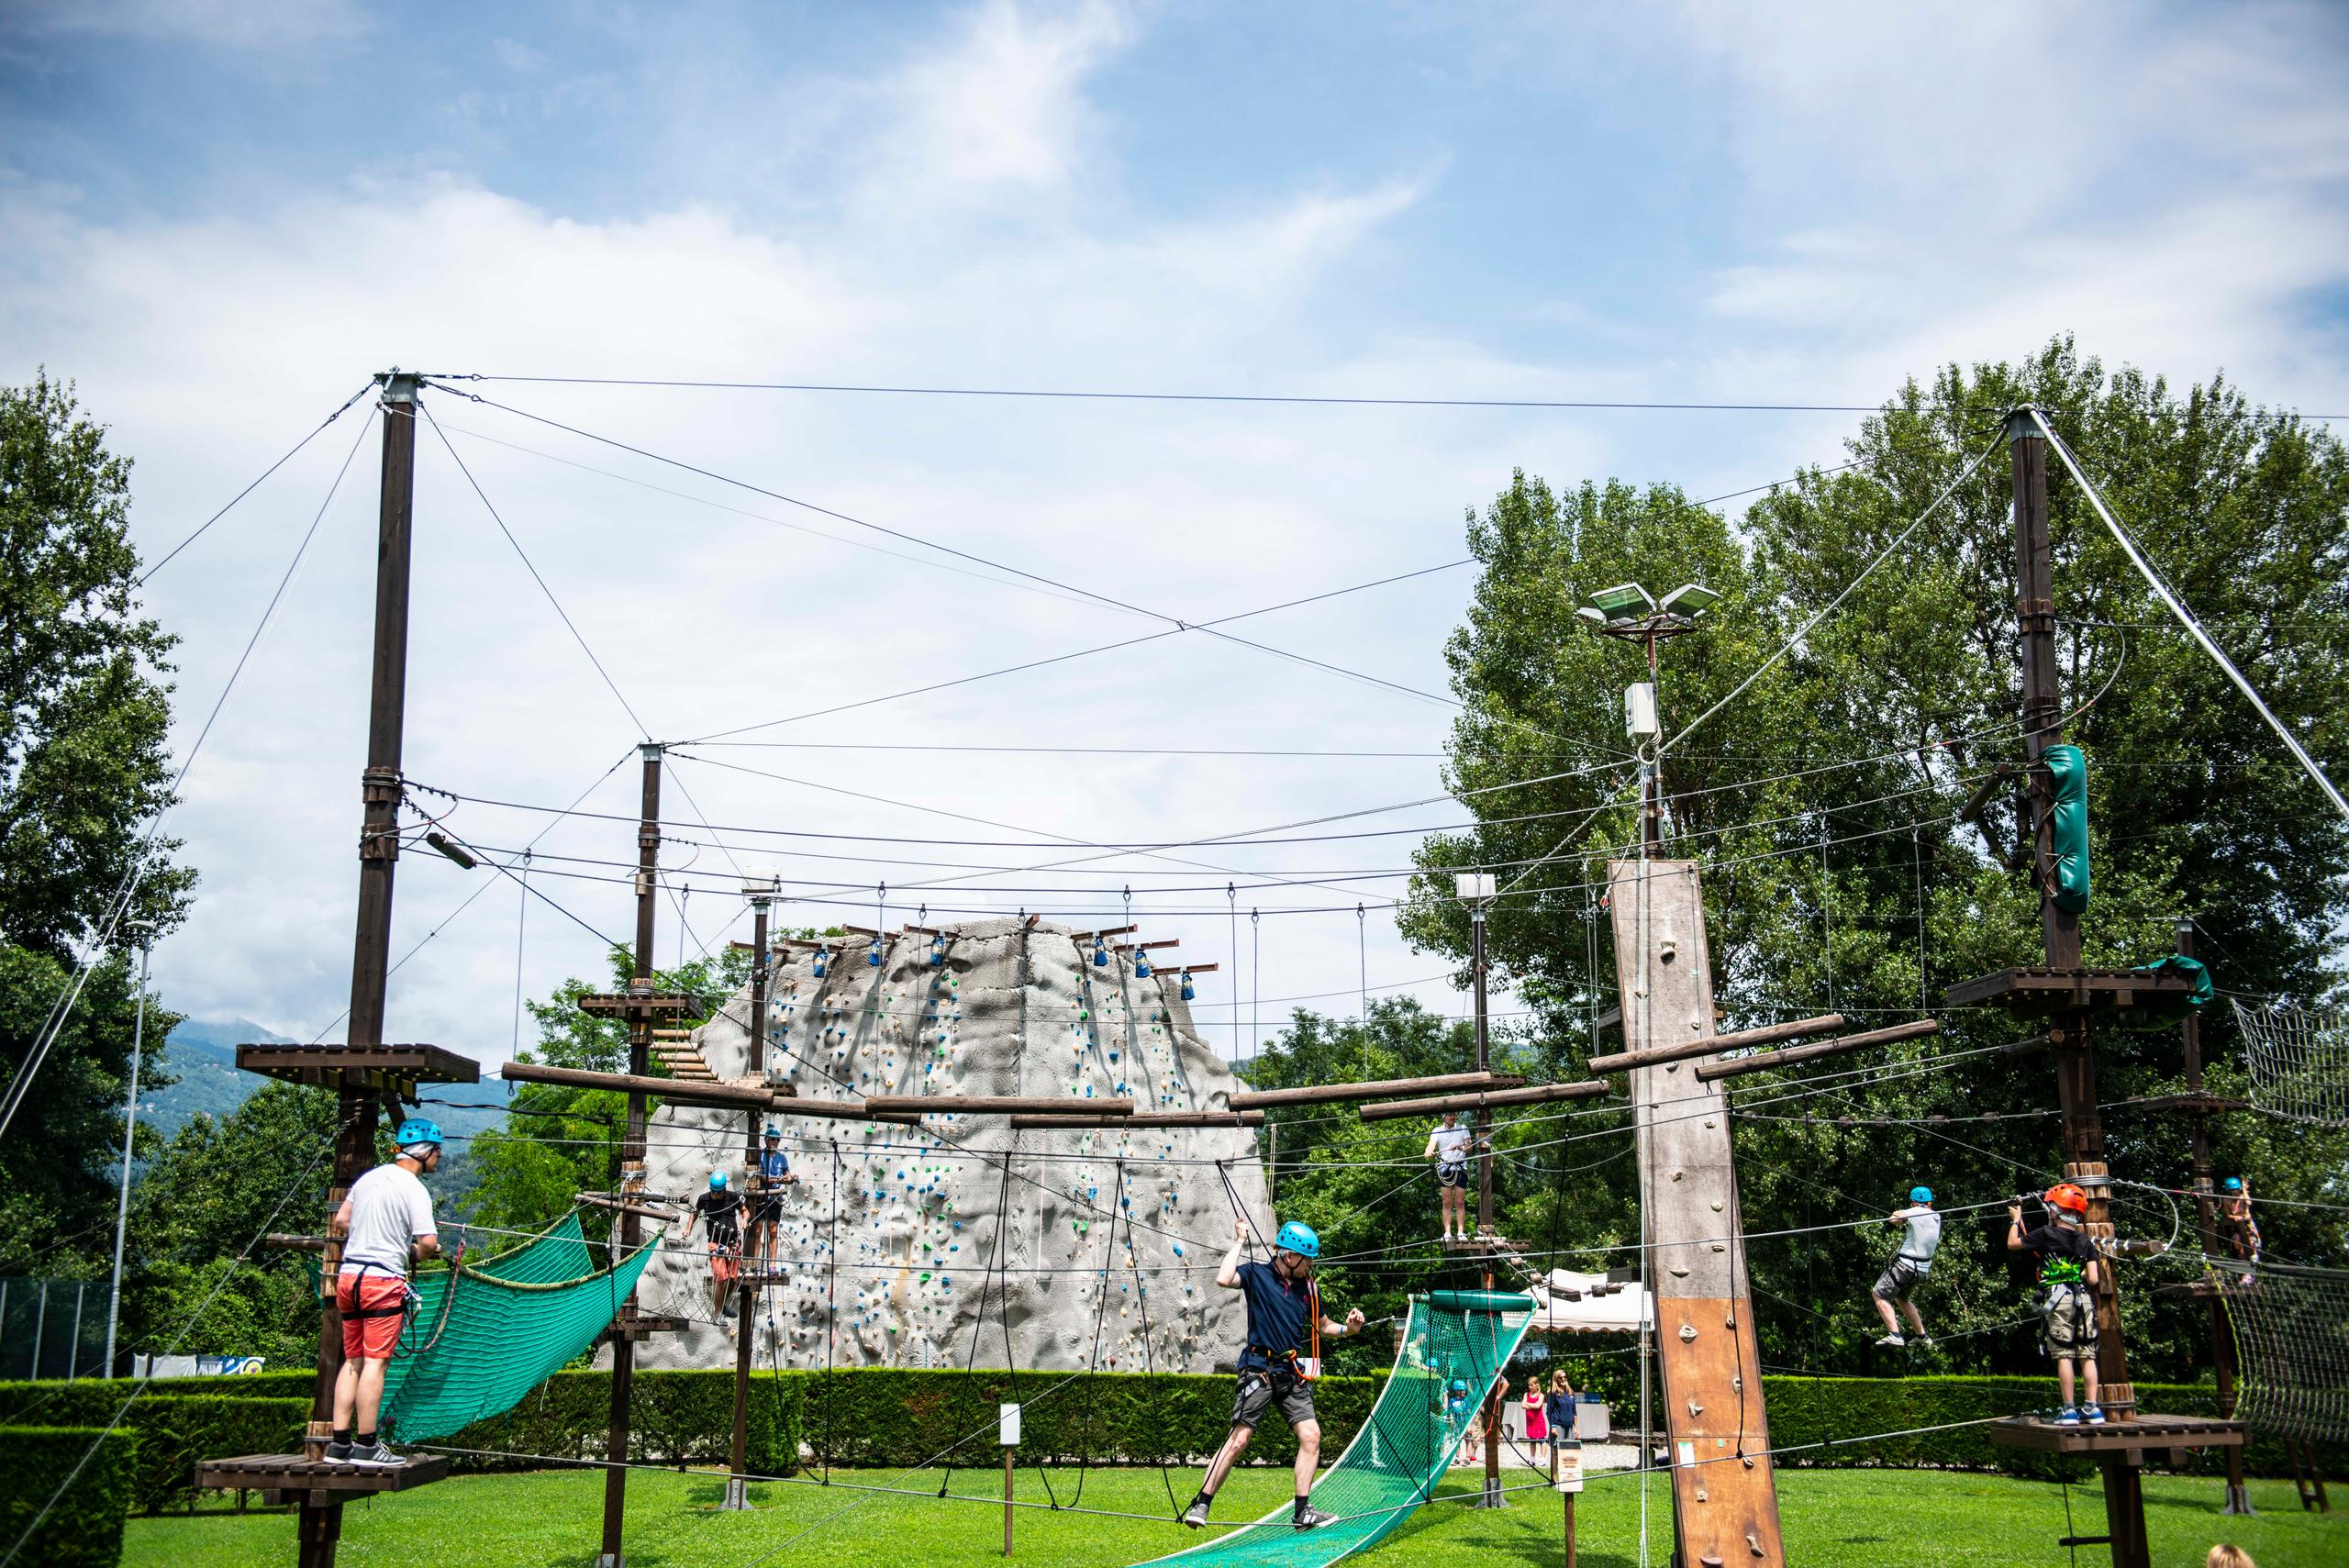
(832, 1313)
(979, 1319)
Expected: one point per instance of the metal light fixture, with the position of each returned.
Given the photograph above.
(450, 847)
(1624, 599)
(1690, 599)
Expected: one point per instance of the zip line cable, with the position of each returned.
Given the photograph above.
(2186, 617)
(140, 580)
(1299, 399)
(118, 903)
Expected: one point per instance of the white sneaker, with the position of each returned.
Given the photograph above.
(1892, 1341)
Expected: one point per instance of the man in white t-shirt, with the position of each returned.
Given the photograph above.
(384, 1225)
(1449, 1146)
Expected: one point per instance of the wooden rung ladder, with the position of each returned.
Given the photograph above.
(672, 1049)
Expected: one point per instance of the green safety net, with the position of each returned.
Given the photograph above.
(2067, 767)
(477, 1352)
(1400, 1455)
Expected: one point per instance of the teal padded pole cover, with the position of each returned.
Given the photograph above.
(2068, 825)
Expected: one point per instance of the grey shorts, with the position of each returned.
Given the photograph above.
(1899, 1277)
(1259, 1388)
(2068, 1328)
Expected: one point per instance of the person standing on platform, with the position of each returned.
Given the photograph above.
(1280, 1361)
(766, 1208)
(384, 1225)
(1449, 1146)
(1897, 1285)
(719, 1211)
(2069, 1269)
(2241, 1235)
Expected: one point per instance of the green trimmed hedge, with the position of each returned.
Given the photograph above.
(174, 1432)
(675, 1417)
(84, 1528)
(889, 1415)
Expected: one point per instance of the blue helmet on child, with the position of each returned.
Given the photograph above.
(2233, 1183)
(417, 1130)
(717, 1181)
(1299, 1239)
(1460, 1386)
(1920, 1194)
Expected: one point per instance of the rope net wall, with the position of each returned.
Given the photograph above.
(2292, 1342)
(2299, 1062)
(1403, 1449)
(479, 1342)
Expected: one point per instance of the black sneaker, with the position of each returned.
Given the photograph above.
(338, 1453)
(373, 1456)
(1196, 1515)
(1312, 1518)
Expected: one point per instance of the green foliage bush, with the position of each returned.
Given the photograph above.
(677, 1417)
(175, 1430)
(84, 1528)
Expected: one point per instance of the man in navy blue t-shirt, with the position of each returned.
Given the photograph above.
(1280, 1361)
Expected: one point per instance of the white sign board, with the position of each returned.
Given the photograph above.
(1006, 1420)
(1569, 1468)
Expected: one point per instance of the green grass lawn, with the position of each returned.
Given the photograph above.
(1879, 1519)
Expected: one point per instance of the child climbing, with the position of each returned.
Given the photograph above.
(1896, 1286)
(2239, 1230)
(1449, 1146)
(1282, 1358)
(1485, 1426)
(2069, 1269)
(766, 1192)
(720, 1211)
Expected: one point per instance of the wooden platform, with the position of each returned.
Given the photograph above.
(395, 1068)
(634, 1004)
(639, 1326)
(2071, 990)
(2117, 1436)
(291, 1478)
(2183, 1104)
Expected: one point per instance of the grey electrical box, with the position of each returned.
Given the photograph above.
(1639, 711)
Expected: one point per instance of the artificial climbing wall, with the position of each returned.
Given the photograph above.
(887, 1240)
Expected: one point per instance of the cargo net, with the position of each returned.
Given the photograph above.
(1453, 1350)
(2292, 1342)
(2299, 1062)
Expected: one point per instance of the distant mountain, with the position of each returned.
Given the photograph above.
(202, 1053)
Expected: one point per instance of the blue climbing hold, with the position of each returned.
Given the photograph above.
(1141, 964)
(819, 964)
(1187, 991)
(872, 954)
(1101, 953)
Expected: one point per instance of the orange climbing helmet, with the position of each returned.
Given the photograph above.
(2063, 1195)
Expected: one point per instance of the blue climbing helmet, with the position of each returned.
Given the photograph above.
(2233, 1184)
(717, 1181)
(1920, 1194)
(1460, 1386)
(417, 1130)
(1299, 1239)
(775, 1132)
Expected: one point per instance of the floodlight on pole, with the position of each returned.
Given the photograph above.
(1624, 599)
(452, 849)
(1690, 599)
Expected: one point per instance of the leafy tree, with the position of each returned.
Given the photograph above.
(84, 716)
(197, 1278)
(1820, 801)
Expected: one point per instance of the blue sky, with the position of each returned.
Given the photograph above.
(222, 217)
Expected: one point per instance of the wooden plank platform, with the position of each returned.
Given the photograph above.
(632, 1004)
(398, 1069)
(2184, 1104)
(639, 1326)
(287, 1477)
(2070, 990)
(2117, 1436)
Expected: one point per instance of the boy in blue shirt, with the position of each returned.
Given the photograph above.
(773, 1175)
(1281, 1359)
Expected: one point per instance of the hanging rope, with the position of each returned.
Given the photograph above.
(1255, 977)
(1231, 899)
(832, 1313)
(1093, 1361)
(979, 1319)
(521, 925)
(1148, 1360)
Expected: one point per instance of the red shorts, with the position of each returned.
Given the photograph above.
(373, 1306)
(724, 1264)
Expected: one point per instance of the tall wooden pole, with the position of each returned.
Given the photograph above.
(319, 1525)
(737, 1495)
(632, 1225)
(1492, 1496)
(2206, 1225)
(2084, 1156)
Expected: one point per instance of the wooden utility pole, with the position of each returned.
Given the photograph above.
(631, 1222)
(2084, 1156)
(320, 1522)
(1724, 1491)
(2206, 1226)
(738, 1493)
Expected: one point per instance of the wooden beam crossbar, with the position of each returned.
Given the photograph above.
(994, 1105)
(1376, 1088)
(1916, 1029)
(1681, 1050)
(1494, 1099)
(1145, 1119)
